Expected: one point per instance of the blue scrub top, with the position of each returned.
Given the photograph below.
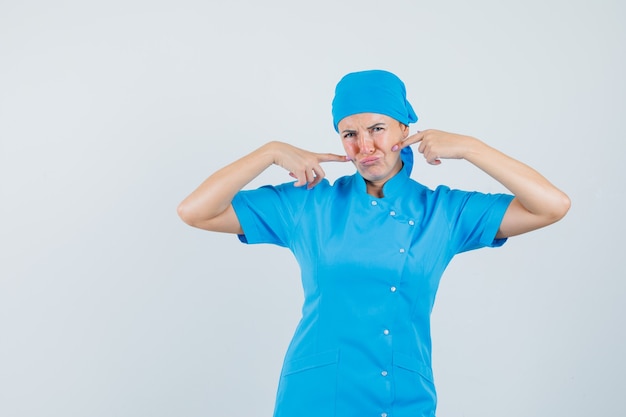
(370, 270)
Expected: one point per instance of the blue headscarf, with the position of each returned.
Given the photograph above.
(373, 91)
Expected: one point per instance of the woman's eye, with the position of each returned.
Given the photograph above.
(348, 135)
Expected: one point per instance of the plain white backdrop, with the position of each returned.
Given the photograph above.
(112, 112)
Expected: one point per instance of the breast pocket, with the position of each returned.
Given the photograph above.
(308, 386)
(414, 387)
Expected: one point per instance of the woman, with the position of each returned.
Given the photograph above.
(371, 247)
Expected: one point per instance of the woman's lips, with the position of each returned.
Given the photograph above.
(369, 160)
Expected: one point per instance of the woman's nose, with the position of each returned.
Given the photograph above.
(366, 144)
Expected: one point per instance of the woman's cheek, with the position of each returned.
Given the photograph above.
(351, 149)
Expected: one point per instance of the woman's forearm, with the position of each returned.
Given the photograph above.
(533, 191)
(216, 193)
(208, 205)
(537, 202)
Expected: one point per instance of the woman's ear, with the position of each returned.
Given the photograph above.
(405, 130)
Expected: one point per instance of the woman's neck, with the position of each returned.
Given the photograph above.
(374, 189)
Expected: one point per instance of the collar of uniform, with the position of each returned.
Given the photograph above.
(394, 187)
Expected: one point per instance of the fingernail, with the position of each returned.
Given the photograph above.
(348, 158)
(395, 148)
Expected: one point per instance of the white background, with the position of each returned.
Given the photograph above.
(112, 112)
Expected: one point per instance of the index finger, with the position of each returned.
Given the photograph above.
(331, 157)
(408, 141)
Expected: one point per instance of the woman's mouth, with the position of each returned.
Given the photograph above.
(370, 160)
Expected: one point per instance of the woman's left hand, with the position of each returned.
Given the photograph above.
(436, 145)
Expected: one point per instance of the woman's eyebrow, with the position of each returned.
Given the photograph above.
(348, 131)
(376, 125)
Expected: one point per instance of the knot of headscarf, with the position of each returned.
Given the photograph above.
(372, 91)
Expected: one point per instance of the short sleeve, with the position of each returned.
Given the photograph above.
(475, 218)
(269, 214)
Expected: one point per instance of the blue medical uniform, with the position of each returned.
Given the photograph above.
(370, 270)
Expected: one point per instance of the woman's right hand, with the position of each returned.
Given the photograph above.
(304, 166)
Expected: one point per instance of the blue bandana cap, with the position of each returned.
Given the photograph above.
(373, 91)
(406, 154)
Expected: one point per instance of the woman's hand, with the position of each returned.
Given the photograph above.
(436, 145)
(304, 166)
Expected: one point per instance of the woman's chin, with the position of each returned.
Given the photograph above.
(372, 176)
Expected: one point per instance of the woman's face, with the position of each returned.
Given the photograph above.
(367, 139)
